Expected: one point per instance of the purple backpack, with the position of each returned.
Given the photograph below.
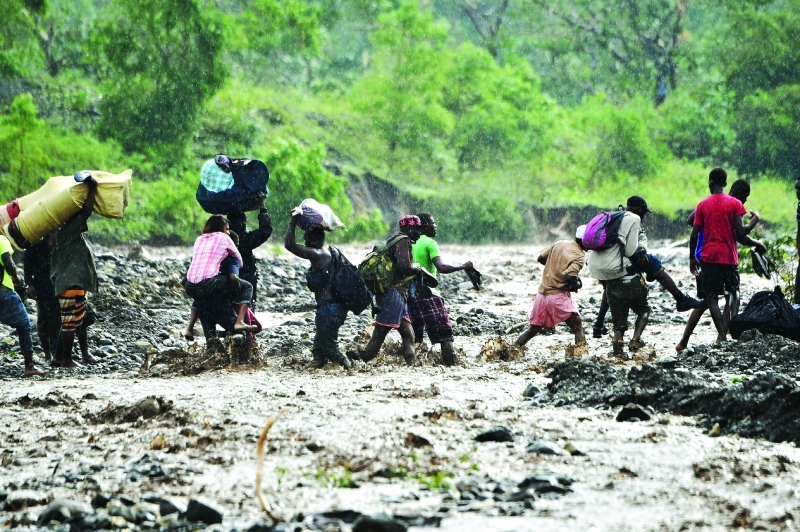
(603, 231)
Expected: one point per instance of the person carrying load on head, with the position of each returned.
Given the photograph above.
(73, 274)
(562, 262)
(250, 240)
(12, 311)
(232, 185)
(396, 259)
(331, 313)
(425, 304)
(204, 281)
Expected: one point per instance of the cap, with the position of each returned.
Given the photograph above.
(579, 232)
(410, 220)
(638, 202)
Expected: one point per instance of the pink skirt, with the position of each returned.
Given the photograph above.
(549, 311)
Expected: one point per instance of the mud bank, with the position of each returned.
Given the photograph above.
(764, 405)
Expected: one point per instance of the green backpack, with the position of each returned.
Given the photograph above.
(378, 266)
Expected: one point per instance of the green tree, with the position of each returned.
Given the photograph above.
(759, 49)
(768, 132)
(18, 53)
(623, 48)
(499, 111)
(402, 92)
(23, 163)
(160, 61)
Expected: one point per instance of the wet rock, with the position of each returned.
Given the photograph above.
(415, 440)
(21, 499)
(547, 484)
(749, 335)
(500, 433)
(203, 512)
(543, 447)
(63, 511)
(531, 390)
(100, 501)
(571, 449)
(372, 524)
(667, 362)
(632, 412)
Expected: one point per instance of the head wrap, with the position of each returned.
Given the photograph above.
(580, 232)
(410, 220)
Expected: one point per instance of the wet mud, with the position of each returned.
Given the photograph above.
(162, 433)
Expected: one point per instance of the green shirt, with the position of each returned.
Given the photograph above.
(424, 251)
(5, 247)
(71, 261)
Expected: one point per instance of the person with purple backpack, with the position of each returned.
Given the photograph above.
(614, 242)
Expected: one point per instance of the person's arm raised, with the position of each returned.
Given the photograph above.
(88, 205)
(291, 245)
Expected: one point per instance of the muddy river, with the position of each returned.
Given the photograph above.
(112, 447)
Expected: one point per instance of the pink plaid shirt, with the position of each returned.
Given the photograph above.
(209, 251)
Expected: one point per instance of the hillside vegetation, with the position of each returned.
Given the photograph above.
(478, 111)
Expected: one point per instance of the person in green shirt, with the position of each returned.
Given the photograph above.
(425, 305)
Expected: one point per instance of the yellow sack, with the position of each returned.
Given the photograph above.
(61, 198)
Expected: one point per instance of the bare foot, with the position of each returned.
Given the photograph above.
(189, 335)
(33, 371)
(89, 359)
(70, 364)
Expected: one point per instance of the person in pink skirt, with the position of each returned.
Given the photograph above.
(562, 262)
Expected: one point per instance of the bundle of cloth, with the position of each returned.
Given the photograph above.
(28, 219)
(313, 214)
(232, 185)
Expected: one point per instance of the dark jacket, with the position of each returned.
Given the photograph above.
(250, 240)
(37, 269)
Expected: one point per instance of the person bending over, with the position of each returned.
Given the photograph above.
(73, 274)
(625, 290)
(330, 313)
(562, 262)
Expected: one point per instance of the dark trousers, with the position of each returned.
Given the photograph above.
(13, 314)
(624, 296)
(330, 317)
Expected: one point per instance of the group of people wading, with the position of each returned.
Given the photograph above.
(223, 279)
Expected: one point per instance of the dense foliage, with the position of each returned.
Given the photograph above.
(477, 110)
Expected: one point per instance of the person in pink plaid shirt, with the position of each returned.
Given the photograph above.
(204, 279)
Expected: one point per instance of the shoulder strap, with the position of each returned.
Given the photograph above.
(395, 239)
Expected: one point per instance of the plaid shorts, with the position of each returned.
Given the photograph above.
(428, 313)
(73, 308)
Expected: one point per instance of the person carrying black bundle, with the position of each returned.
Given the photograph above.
(250, 240)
